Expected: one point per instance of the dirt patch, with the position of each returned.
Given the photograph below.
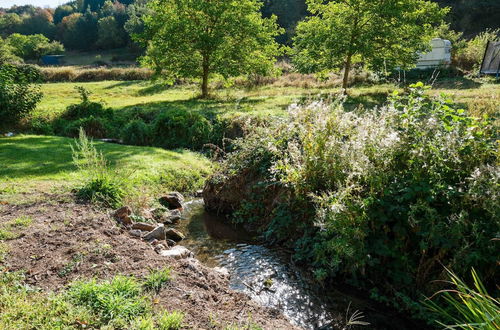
(68, 241)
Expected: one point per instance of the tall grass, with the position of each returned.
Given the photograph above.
(77, 74)
(469, 308)
(102, 184)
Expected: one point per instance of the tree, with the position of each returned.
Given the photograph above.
(7, 53)
(198, 38)
(34, 46)
(381, 34)
(110, 34)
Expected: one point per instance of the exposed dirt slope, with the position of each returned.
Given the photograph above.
(67, 241)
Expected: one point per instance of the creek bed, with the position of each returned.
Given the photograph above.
(269, 277)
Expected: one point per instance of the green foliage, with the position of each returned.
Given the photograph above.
(19, 96)
(384, 186)
(170, 321)
(92, 117)
(377, 33)
(198, 39)
(157, 279)
(471, 55)
(109, 33)
(138, 133)
(33, 47)
(182, 129)
(118, 300)
(466, 307)
(7, 53)
(102, 184)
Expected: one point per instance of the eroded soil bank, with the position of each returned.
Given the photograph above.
(68, 241)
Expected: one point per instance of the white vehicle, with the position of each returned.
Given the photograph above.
(439, 56)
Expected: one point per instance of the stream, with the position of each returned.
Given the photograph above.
(269, 277)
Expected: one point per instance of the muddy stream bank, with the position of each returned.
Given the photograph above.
(270, 278)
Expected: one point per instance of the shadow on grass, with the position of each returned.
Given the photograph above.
(208, 107)
(456, 83)
(45, 156)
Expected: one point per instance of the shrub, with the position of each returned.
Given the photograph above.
(102, 184)
(19, 95)
(94, 127)
(470, 57)
(86, 108)
(137, 132)
(367, 195)
(182, 129)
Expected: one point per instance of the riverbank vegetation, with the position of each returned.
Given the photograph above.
(367, 195)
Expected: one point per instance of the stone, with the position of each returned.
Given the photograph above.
(175, 216)
(177, 252)
(174, 235)
(135, 233)
(172, 201)
(159, 248)
(157, 233)
(123, 215)
(143, 226)
(198, 193)
(170, 242)
(221, 270)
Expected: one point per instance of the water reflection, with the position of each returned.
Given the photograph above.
(269, 277)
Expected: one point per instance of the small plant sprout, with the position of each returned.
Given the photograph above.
(354, 319)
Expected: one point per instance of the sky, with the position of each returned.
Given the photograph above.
(38, 3)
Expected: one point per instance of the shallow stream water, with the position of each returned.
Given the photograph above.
(269, 277)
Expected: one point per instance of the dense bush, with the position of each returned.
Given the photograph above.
(93, 117)
(19, 95)
(383, 198)
(182, 129)
(137, 132)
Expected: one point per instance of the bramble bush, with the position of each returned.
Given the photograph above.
(383, 198)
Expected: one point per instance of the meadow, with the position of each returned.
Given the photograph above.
(143, 96)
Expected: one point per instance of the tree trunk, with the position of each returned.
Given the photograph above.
(204, 82)
(347, 69)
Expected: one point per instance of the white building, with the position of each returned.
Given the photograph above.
(439, 56)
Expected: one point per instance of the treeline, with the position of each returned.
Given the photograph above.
(106, 24)
(78, 25)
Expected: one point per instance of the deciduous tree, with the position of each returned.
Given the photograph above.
(381, 34)
(198, 38)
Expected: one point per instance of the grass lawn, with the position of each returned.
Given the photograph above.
(144, 97)
(44, 163)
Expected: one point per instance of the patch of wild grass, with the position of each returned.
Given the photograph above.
(170, 320)
(8, 229)
(119, 300)
(157, 279)
(119, 303)
(4, 250)
(466, 307)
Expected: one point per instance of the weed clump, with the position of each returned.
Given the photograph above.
(102, 184)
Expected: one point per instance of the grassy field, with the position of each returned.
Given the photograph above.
(44, 163)
(146, 97)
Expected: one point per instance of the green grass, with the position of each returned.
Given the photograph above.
(157, 279)
(9, 230)
(131, 97)
(32, 157)
(119, 303)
